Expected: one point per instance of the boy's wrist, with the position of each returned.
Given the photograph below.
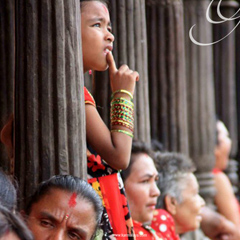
(122, 93)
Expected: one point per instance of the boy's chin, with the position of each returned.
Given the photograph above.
(102, 68)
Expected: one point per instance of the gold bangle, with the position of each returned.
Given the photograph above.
(122, 124)
(123, 91)
(122, 131)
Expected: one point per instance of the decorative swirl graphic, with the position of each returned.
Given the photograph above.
(224, 19)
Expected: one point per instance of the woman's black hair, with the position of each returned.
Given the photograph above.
(8, 194)
(70, 184)
(137, 148)
(156, 145)
(10, 222)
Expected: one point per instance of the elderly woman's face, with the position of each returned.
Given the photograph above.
(61, 215)
(141, 188)
(188, 213)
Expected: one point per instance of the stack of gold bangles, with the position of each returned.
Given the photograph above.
(122, 112)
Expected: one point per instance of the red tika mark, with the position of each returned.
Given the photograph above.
(72, 201)
(105, 8)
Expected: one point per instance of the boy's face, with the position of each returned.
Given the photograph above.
(97, 39)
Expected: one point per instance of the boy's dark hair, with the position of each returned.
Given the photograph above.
(137, 148)
(8, 195)
(10, 222)
(70, 184)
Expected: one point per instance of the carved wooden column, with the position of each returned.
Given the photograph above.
(237, 51)
(225, 76)
(130, 47)
(200, 95)
(7, 69)
(50, 111)
(167, 76)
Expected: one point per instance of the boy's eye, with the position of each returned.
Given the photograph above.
(96, 25)
(110, 29)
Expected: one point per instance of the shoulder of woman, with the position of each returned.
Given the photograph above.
(223, 185)
(222, 178)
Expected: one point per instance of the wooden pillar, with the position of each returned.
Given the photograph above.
(130, 47)
(225, 77)
(7, 70)
(49, 104)
(237, 51)
(200, 95)
(167, 76)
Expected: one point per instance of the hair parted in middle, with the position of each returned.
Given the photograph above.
(70, 184)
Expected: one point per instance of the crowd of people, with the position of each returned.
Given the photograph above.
(132, 192)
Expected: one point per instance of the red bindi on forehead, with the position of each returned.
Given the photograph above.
(72, 201)
(105, 8)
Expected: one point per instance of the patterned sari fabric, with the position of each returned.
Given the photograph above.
(146, 232)
(163, 223)
(116, 221)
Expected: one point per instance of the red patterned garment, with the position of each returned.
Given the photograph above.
(145, 232)
(106, 181)
(163, 223)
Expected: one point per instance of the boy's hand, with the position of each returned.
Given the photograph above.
(122, 78)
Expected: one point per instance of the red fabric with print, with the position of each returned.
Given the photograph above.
(116, 221)
(107, 184)
(145, 232)
(163, 223)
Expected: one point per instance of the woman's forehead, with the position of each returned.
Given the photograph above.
(191, 183)
(94, 6)
(142, 163)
